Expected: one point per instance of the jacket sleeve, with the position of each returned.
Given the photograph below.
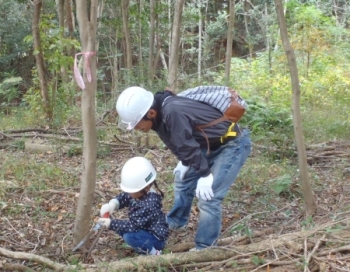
(183, 145)
(124, 200)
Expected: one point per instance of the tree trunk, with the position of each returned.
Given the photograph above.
(60, 11)
(40, 63)
(310, 204)
(140, 55)
(128, 46)
(158, 48)
(151, 41)
(87, 30)
(175, 42)
(246, 24)
(231, 22)
(200, 29)
(69, 18)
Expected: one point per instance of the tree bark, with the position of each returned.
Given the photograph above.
(200, 34)
(69, 17)
(60, 11)
(175, 43)
(33, 258)
(231, 22)
(140, 55)
(246, 24)
(151, 41)
(128, 46)
(310, 204)
(39, 58)
(87, 30)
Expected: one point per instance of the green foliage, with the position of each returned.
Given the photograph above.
(33, 175)
(75, 150)
(281, 184)
(256, 260)
(308, 223)
(15, 24)
(55, 48)
(9, 90)
(18, 145)
(242, 229)
(264, 118)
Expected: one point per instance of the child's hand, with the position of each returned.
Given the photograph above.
(105, 222)
(110, 207)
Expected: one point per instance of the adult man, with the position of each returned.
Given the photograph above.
(210, 174)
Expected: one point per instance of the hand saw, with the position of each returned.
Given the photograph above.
(87, 236)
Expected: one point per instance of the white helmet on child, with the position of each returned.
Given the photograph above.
(137, 173)
(132, 104)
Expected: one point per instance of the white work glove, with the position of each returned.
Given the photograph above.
(104, 222)
(182, 169)
(204, 190)
(110, 207)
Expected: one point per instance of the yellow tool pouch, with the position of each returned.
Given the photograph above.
(229, 133)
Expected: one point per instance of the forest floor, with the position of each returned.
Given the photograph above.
(39, 193)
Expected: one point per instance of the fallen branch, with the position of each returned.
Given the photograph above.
(32, 257)
(221, 242)
(16, 267)
(290, 244)
(175, 259)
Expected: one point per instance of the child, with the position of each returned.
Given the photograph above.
(146, 231)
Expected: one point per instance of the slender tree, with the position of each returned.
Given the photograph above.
(231, 22)
(310, 204)
(175, 43)
(127, 39)
(151, 41)
(87, 29)
(39, 58)
(200, 34)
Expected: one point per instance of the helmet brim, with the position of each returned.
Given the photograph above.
(133, 190)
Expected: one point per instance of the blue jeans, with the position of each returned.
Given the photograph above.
(225, 164)
(142, 241)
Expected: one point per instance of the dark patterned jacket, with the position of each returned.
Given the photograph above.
(144, 214)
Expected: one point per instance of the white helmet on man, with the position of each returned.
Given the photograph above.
(137, 173)
(132, 104)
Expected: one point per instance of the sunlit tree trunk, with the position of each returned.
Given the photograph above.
(87, 29)
(310, 204)
(246, 24)
(175, 43)
(205, 47)
(140, 55)
(151, 42)
(39, 58)
(128, 46)
(69, 22)
(60, 4)
(60, 12)
(231, 22)
(200, 29)
(158, 42)
(115, 66)
(268, 39)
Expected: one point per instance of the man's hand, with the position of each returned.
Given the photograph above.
(110, 207)
(104, 222)
(182, 169)
(204, 190)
